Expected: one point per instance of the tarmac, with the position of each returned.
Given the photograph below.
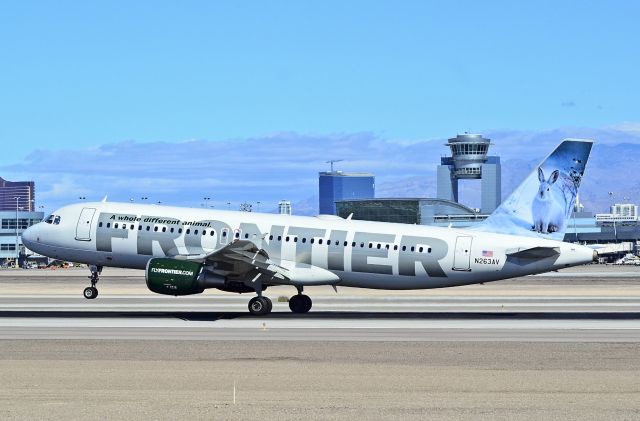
(556, 346)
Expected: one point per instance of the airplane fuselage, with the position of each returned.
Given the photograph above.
(361, 253)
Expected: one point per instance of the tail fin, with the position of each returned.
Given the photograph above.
(543, 202)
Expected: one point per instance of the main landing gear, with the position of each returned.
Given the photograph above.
(92, 292)
(300, 303)
(261, 305)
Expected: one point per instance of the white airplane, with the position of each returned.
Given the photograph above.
(185, 251)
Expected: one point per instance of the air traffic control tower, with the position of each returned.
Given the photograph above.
(469, 161)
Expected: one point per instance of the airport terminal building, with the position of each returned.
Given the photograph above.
(17, 213)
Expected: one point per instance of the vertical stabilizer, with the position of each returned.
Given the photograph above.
(543, 202)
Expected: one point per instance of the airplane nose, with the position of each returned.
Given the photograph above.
(29, 235)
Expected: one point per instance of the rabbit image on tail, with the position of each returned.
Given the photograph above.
(548, 214)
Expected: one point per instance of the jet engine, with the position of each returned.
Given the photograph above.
(179, 277)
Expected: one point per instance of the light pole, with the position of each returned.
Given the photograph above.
(258, 206)
(229, 205)
(206, 201)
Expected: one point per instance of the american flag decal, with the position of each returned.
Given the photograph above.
(487, 253)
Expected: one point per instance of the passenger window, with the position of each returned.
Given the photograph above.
(179, 230)
(370, 245)
(287, 239)
(108, 224)
(279, 238)
(270, 237)
(312, 240)
(404, 248)
(237, 234)
(420, 249)
(387, 246)
(132, 227)
(395, 247)
(224, 233)
(171, 230)
(148, 228)
(246, 235)
(164, 229)
(413, 248)
(304, 240)
(115, 225)
(195, 232)
(378, 246)
(124, 226)
(155, 229)
(361, 244)
(345, 244)
(320, 241)
(188, 230)
(429, 250)
(211, 233)
(204, 232)
(337, 243)
(139, 227)
(353, 244)
(100, 224)
(295, 239)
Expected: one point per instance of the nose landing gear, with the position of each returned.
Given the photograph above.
(92, 292)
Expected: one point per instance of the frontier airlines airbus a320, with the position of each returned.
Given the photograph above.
(185, 251)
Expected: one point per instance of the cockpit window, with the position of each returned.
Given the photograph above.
(53, 219)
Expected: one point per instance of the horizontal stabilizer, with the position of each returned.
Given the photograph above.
(534, 253)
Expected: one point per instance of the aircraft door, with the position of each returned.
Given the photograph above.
(462, 255)
(83, 229)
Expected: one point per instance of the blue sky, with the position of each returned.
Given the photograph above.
(85, 75)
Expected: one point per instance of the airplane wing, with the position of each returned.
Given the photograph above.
(243, 260)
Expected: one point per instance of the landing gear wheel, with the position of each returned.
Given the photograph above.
(259, 306)
(269, 304)
(300, 303)
(90, 293)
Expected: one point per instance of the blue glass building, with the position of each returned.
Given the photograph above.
(339, 185)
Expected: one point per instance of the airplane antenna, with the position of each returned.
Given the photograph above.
(333, 161)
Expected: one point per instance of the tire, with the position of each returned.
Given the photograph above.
(259, 306)
(90, 293)
(300, 304)
(269, 304)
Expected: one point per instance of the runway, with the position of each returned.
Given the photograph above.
(362, 318)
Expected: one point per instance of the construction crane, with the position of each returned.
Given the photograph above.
(332, 161)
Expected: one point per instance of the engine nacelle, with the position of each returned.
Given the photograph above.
(173, 277)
